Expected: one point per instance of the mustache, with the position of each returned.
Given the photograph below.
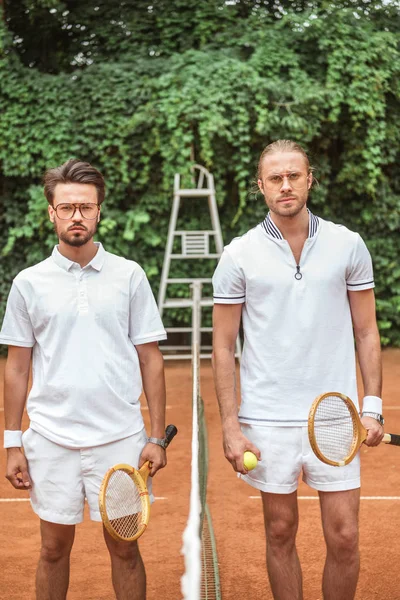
(77, 225)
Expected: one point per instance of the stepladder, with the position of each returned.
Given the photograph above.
(200, 249)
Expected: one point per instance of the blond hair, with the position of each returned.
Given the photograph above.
(282, 146)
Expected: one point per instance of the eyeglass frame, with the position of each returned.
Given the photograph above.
(289, 178)
(76, 206)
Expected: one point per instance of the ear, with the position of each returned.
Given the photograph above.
(260, 186)
(51, 212)
(98, 214)
(309, 180)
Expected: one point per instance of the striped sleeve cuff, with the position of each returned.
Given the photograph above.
(229, 299)
(358, 286)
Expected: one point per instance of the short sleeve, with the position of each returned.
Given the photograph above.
(360, 275)
(17, 328)
(145, 323)
(229, 285)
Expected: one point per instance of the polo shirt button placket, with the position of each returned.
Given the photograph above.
(82, 295)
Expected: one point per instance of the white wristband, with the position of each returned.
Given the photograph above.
(12, 439)
(372, 404)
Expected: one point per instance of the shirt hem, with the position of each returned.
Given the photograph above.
(12, 342)
(151, 338)
(80, 444)
(273, 422)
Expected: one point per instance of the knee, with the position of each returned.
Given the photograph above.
(281, 533)
(343, 542)
(125, 551)
(55, 550)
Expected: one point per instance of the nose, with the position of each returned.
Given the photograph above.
(79, 213)
(285, 187)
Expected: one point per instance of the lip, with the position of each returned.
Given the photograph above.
(287, 199)
(76, 229)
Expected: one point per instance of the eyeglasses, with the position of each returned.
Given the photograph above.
(66, 210)
(294, 179)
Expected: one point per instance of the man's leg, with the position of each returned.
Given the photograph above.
(128, 574)
(339, 512)
(52, 575)
(281, 522)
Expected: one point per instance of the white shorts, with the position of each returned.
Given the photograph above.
(63, 477)
(285, 453)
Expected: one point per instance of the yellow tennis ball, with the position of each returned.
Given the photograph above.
(249, 460)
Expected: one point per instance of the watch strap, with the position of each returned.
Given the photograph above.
(158, 441)
(376, 416)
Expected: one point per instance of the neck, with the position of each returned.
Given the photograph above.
(297, 225)
(79, 254)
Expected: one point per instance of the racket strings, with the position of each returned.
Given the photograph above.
(124, 504)
(334, 429)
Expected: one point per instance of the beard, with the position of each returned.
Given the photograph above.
(288, 211)
(76, 239)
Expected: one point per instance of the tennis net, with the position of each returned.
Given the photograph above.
(201, 578)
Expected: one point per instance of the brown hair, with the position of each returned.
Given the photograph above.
(73, 171)
(282, 146)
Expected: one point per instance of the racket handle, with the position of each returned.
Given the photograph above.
(391, 438)
(170, 433)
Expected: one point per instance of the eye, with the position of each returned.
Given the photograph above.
(64, 208)
(294, 176)
(275, 179)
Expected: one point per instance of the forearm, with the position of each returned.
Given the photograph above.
(15, 392)
(154, 389)
(369, 358)
(224, 368)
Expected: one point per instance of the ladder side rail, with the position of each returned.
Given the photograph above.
(216, 225)
(168, 252)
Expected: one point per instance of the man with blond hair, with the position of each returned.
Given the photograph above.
(89, 321)
(301, 285)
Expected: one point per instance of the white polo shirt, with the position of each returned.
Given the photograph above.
(83, 325)
(298, 335)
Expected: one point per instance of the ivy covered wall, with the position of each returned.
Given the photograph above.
(143, 91)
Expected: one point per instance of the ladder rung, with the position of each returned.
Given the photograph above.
(188, 356)
(190, 256)
(194, 231)
(170, 348)
(185, 302)
(188, 280)
(186, 329)
(177, 356)
(195, 192)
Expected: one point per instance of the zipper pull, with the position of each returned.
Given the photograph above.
(298, 275)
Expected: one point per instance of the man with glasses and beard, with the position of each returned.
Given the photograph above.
(89, 321)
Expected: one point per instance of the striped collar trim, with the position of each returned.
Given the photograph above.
(271, 229)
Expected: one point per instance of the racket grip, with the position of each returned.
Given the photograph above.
(391, 438)
(170, 433)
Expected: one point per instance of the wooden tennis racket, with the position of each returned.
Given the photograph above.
(124, 498)
(335, 430)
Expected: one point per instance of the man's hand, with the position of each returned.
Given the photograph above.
(235, 445)
(17, 471)
(156, 455)
(374, 429)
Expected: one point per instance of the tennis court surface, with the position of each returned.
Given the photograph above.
(236, 513)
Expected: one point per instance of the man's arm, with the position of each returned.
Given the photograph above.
(152, 369)
(16, 379)
(368, 344)
(226, 322)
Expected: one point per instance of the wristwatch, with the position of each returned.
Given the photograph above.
(376, 416)
(163, 442)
